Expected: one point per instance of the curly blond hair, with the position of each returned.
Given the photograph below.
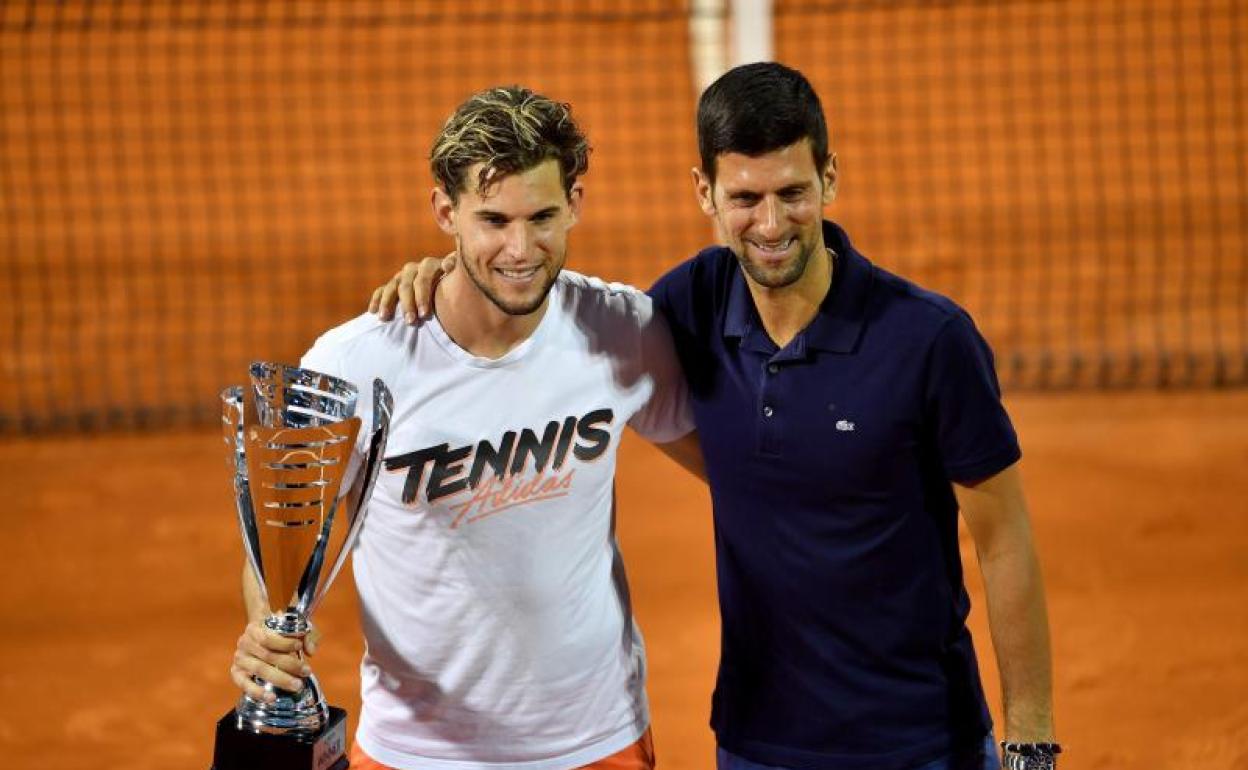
(508, 129)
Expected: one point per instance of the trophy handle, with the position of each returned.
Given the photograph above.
(232, 417)
(362, 488)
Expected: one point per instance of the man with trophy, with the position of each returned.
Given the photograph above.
(493, 597)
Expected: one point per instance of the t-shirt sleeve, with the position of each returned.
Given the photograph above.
(327, 357)
(971, 429)
(667, 414)
(324, 356)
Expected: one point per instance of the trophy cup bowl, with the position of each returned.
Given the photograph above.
(290, 448)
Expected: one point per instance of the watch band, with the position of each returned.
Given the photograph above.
(1029, 756)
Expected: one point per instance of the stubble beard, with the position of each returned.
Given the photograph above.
(511, 308)
(777, 278)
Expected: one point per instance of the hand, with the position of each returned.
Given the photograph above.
(411, 289)
(274, 658)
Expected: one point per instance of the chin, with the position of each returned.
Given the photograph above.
(517, 309)
(519, 305)
(774, 277)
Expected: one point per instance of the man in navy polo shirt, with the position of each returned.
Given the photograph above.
(845, 416)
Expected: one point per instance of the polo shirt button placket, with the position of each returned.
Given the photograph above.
(767, 443)
(767, 428)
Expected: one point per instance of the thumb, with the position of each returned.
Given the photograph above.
(312, 641)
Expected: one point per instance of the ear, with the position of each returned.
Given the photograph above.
(575, 196)
(829, 180)
(443, 210)
(705, 190)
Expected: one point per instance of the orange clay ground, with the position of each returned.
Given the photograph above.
(119, 593)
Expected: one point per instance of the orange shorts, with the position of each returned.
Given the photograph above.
(639, 756)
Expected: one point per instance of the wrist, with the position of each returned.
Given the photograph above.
(1029, 723)
(1035, 731)
(1017, 755)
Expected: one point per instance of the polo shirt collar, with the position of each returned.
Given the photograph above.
(838, 323)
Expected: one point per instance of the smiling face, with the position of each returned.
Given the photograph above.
(768, 209)
(512, 236)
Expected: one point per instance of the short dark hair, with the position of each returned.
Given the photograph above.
(509, 129)
(756, 108)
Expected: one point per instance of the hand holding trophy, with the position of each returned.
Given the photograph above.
(290, 446)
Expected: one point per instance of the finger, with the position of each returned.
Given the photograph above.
(407, 302)
(311, 642)
(389, 293)
(444, 267)
(290, 663)
(408, 272)
(374, 302)
(425, 280)
(265, 638)
(255, 666)
(243, 681)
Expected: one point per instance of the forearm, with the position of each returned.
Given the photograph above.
(1019, 624)
(687, 453)
(264, 653)
(253, 599)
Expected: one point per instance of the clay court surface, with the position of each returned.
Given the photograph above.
(120, 610)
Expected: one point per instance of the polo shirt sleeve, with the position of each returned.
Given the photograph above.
(685, 299)
(970, 427)
(667, 292)
(666, 415)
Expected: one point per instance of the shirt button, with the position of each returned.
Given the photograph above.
(768, 411)
(773, 368)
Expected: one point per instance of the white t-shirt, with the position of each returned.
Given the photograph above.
(494, 603)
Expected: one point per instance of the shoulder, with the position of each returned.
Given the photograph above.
(360, 338)
(350, 331)
(703, 271)
(692, 294)
(906, 309)
(915, 307)
(926, 327)
(586, 297)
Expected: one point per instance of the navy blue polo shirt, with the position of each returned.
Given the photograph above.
(830, 461)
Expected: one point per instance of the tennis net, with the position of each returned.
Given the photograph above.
(187, 187)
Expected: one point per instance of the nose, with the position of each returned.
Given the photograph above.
(519, 240)
(768, 222)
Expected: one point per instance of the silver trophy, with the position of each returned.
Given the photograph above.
(290, 446)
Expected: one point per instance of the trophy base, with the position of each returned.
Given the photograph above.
(244, 750)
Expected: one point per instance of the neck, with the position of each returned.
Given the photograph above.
(787, 310)
(475, 323)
